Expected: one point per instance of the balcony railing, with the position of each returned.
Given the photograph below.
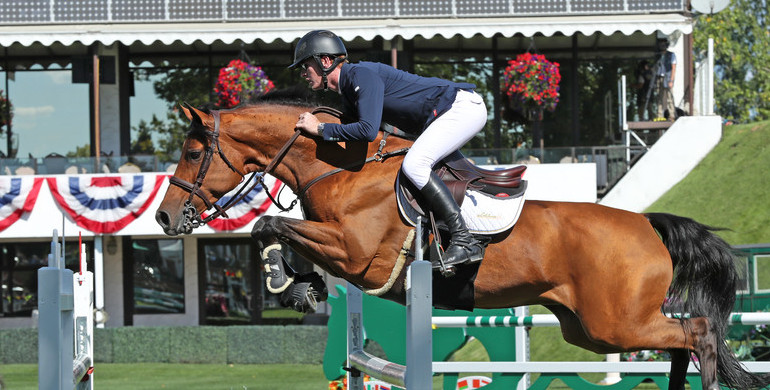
(610, 161)
(56, 164)
(132, 11)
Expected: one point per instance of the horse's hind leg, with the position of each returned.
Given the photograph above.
(706, 349)
(572, 329)
(679, 338)
(661, 332)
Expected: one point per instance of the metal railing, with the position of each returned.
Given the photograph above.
(57, 164)
(611, 162)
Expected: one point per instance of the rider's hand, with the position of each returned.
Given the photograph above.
(308, 123)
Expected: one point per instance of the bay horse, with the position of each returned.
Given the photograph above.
(605, 273)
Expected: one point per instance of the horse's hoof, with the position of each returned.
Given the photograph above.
(317, 285)
(300, 297)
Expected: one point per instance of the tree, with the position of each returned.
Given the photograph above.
(178, 85)
(470, 71)
(143, 144)
(741, 58)
(171, 137)
(190, 85)
(81, 151)
(193, 85)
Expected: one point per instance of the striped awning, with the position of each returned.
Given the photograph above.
(350, 29)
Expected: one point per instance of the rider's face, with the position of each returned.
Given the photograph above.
(312, 73)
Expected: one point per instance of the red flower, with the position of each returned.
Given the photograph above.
(240, 80)
(532, 82)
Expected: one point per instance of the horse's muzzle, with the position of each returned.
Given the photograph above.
(189, 220)
(164, 220)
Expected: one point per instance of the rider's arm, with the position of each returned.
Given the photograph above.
(364, 89)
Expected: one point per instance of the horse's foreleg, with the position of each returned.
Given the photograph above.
(300, 292)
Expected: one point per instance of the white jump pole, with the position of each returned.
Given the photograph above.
(83, 313)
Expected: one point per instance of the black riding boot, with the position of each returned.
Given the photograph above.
(463, 247)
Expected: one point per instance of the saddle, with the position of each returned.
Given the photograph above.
(459, 175)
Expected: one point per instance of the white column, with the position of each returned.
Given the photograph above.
(99, 280)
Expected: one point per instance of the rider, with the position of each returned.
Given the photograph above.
(444, 115)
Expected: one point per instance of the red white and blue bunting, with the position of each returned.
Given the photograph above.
(104, 204)
(107, 204)
(254, 204)
(17, 196)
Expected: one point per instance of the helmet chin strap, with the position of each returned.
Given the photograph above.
(325, 81)
(325, 71)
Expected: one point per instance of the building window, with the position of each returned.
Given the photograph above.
(158, 273)
(44, 123)
(19, 263)
(233, 284)
(228, 276)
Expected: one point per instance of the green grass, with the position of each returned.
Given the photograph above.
(184, 376)
(730, 188)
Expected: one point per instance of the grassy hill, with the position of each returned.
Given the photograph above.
(730, 188)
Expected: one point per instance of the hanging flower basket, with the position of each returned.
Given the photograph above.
(240, 81)
(6, 110)
(532, 84)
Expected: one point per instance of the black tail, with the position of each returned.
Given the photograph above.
(705, 279)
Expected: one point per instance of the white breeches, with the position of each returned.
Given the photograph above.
(448, 133)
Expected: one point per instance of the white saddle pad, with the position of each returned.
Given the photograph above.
(484, 214)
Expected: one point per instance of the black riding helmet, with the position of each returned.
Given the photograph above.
(319, 43)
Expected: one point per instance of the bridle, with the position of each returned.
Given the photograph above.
(193, 219)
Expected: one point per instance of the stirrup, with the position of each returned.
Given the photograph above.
(447, 270)
(448, 267)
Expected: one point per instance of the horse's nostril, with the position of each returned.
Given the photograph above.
(163, 219)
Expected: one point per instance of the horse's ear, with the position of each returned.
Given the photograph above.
(191, 112)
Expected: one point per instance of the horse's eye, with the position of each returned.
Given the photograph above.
(194, 154)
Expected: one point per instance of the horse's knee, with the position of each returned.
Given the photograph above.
(264, 228)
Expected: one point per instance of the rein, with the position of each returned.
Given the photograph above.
(193, 218)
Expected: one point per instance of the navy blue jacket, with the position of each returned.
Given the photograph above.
(372, 91)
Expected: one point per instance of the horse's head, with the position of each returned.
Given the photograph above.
(206, 171)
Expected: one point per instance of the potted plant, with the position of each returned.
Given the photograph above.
(531, 86)
(240, 81)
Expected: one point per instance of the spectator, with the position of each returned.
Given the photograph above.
(665, 72)
(643, 86)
